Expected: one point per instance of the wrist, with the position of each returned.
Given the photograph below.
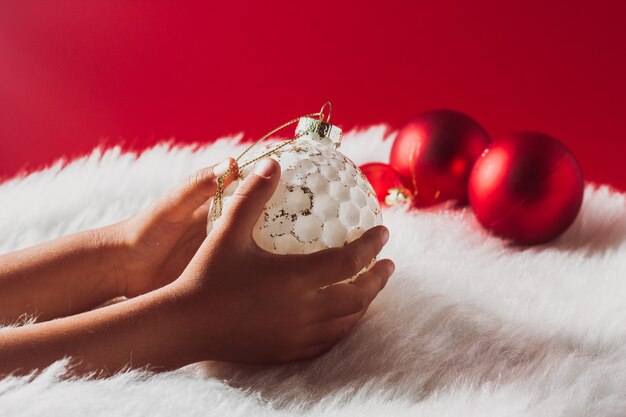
(183, 328)
(110, 244)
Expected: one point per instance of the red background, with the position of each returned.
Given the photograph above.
(75, 74)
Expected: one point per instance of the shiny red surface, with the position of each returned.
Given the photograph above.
(434, 155)
(76, 73)
(526, 187)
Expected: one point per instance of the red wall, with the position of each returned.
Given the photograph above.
(74, 73)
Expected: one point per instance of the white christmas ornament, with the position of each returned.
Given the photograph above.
(322, 201)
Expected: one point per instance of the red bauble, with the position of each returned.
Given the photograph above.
(386, 183)
(526, 187)
(434, 155)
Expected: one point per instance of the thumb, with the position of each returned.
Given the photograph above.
(180, 203)
(248, 201)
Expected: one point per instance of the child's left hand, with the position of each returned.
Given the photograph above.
(157, 244)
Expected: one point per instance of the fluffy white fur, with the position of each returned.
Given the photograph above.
(468, 325)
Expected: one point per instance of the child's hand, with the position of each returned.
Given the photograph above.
(158, 243)
(239, 303)
(233, 301)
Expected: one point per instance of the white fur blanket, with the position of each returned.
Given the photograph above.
(468, 325)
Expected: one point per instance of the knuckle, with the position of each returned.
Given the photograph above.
(234, 205)
(376, 278)
(382, 280)
(352, 263)
(372, 246)
(371, 243)
(243, 191)
(196, 179)
(250, 186)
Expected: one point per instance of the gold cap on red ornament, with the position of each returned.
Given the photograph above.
(398, 195)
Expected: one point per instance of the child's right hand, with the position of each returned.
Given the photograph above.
(238, 303)
(233, 302)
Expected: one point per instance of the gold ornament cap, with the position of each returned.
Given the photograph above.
(398, 195)
(328, 134)
(325, 133)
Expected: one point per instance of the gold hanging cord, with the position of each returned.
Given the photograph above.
(218, 200)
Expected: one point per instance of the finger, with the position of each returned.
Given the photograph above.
(198, 221)
(201, 214)
(333, 265)
(345, 298)
(180, 203)
(248, 201)
(330, 331)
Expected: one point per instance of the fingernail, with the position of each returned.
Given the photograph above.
(384, 235)
(221, 168)
(391, 267)
(265, 168)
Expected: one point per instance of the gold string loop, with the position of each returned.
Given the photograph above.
(330, 111)
(218, 200)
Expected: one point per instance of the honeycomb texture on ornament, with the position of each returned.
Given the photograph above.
(322, 201)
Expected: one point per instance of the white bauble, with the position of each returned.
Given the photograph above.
(322, 201)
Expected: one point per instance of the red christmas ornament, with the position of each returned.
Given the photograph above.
(434, 155)
(386, 183)
(527, 187)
